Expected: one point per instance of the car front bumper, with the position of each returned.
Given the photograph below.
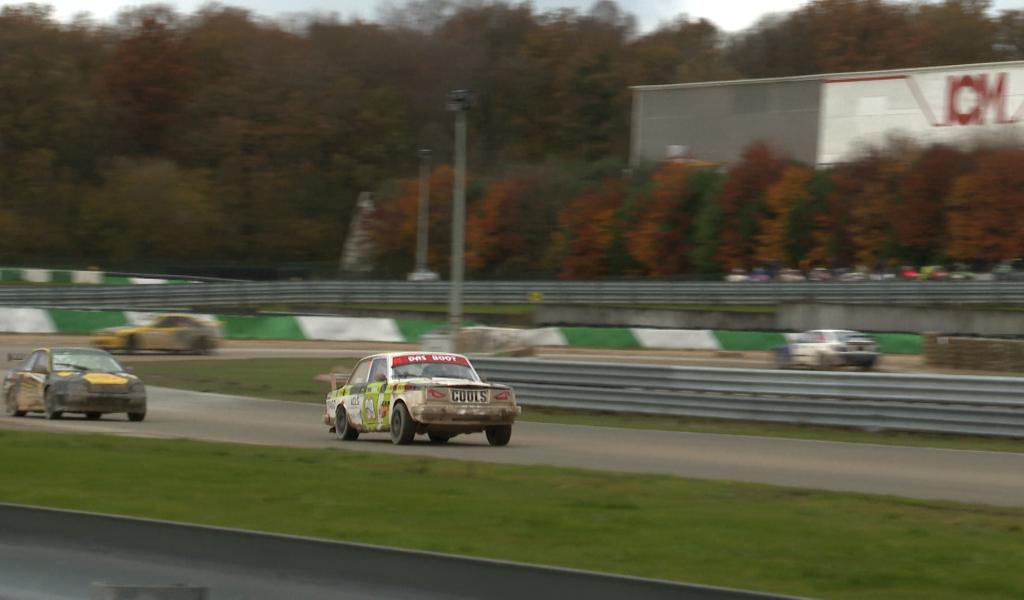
(108, 342)
(102, 402)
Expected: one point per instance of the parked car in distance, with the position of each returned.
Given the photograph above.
(737, 276)
(828, 349)
(790, 276)
(819, 274)
(933, 273)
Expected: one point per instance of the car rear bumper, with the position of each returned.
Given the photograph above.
(858, 359)
(108, 342)
(480, 414)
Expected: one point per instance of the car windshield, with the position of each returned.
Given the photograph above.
(433, 370)
(84, 360)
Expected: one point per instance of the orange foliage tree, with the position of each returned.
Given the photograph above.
(494, 232)
(393, 223)
(986, 208)
(871, 208)
(919, 220)
(742, 201)
(659, 240)
(586, 230)
(789, 192)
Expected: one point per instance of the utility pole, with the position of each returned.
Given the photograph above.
(459, 101)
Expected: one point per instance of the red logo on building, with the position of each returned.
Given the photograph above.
(975, 100)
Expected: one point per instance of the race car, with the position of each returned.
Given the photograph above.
(55, 381)
(167, 333)
(408, 393)
(827, 349)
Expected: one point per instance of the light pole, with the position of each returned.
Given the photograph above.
(422, 231)
(459, 101)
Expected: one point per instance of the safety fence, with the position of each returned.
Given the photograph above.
(992, 406)
(625, 293)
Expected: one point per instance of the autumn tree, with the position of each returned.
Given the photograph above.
(742, 204)
(586, 230)
(919, 218)
(660, 238)
(785, 199)
(985, 208)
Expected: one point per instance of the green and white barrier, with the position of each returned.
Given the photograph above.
(18, 275)
(360, 329)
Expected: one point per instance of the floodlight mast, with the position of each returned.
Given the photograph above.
(459, 102)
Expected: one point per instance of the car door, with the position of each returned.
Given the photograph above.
(376, 397)
(32, 381)
(160, 335)
(351, 394)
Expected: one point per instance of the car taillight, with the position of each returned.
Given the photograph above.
(434, 393)
(502, 395)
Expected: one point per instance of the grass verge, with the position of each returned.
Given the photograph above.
(740, 535)
(293, 379)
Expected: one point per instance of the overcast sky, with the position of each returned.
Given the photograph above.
(730, 15)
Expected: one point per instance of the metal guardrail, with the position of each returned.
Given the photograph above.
(235, 563)
(517, 292)
(992, 406)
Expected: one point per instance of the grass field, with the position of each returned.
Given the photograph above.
(740, 535)
(293, 379)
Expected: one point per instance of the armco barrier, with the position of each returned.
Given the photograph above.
(991, 406)
(233, 563)
(505, 292)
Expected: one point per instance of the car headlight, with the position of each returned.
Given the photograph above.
(137, 387)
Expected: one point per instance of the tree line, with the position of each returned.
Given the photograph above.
(221, 135)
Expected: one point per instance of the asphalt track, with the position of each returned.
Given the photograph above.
(995, 478)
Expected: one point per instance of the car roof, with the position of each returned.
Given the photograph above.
(407, 353)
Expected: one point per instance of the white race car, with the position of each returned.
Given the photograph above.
(828, 349)
(409, 393)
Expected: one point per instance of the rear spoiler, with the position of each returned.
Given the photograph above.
(332, 378)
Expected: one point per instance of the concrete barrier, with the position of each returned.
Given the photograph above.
(979, 354)
(800, 316)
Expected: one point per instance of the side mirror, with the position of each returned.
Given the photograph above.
(381, 377)
(41, 369)
(483, 378)
(128, 368)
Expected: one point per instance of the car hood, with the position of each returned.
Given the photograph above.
(121, 329)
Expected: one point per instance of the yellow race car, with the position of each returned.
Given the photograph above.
(166, 333)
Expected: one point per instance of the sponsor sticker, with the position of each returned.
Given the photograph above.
(406, 359)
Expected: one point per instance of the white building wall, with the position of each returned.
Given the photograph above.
(960, 105)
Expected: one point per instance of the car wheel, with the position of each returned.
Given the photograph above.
(824, 363)
(437, 438)
(136, 416)
(50, 405)
(342, 428)
(11, 405)
(93, 415)
(498, 435)
(131, 345)
(403, 429)
(867, 366)
(200, 345)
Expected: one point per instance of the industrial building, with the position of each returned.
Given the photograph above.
(824, 119)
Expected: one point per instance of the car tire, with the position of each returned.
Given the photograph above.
(824, 362)
(131, 345)
(498, 435)
(93, 415)
(437, 438)
(403, 428)
(11, 405)
(200, 345)
(342, 428)
(50, 405)
(136, 417)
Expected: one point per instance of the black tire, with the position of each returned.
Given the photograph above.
(93, 415)
(200, 345)
(823, 362)
(136, 417)
(11, 405)
(867, 366)
(131, 345)
(498, 435)
(403, 428)
(342, 428)
(50, 405)
(437, 438)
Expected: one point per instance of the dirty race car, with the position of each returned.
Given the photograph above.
(406, 393)
(164, 333)
(57, 381)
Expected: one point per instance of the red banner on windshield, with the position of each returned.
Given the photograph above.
(408, 359)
